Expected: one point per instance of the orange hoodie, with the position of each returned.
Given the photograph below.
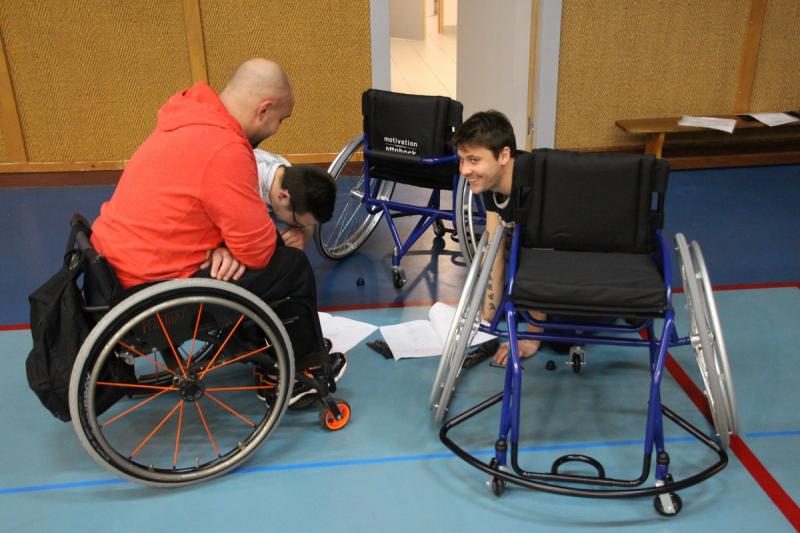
(190, 187)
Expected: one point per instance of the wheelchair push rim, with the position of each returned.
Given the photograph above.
(707, 341)
(201, 415)
(470, 220)
(352, 223)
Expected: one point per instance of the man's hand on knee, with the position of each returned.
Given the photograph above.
(224, 265)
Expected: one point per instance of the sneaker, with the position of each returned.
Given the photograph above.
(304, 396)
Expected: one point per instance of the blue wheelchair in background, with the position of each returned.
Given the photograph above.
(586, 248)
(405, 140)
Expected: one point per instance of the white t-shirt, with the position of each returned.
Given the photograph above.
(268, 165)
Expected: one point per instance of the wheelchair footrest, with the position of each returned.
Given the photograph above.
(572, 458)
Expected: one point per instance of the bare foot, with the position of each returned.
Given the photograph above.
(527, 348)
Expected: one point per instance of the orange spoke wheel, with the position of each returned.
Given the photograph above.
(202, 413)
(328, 420)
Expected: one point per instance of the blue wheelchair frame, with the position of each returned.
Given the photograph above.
(583, 333)
(429, 214)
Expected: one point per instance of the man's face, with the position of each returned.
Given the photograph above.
(481, 168)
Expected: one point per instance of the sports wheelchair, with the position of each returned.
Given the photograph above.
(586, 248)
(405, 140)
(181, 381)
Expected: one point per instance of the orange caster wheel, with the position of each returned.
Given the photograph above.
(328, 420)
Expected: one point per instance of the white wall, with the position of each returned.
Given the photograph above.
(407, 19)
(450, 12)
(493, 59)
(545, 94)
(379, 35)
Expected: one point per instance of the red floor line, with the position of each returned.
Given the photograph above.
(14, 327)
(747, 286)
(754, 466)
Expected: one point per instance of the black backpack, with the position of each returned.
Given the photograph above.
(60, 323)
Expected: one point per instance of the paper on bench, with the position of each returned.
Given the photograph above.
(721, 124)
(343, 332)
(424, 338)
(774, 119)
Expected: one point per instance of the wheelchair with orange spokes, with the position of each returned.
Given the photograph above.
(405, 141)
(182, 380)
(586, 248)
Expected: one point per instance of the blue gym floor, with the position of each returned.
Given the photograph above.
(387, 470)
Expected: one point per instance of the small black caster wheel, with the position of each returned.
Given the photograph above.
(398, 279)
(677, 504)
(497, 486)
(438, 228)
(550, 365)
(576, 362)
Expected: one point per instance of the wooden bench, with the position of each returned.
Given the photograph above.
(655, 130)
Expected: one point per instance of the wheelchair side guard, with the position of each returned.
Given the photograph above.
(194, 410)
(465, 324)
(707, 339)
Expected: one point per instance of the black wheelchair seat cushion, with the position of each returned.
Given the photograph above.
(401, 129)
(589, 283)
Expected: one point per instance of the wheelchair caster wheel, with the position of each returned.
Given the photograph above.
(438, 228)
(576, 359)
(673, 500)
(328, 420)
(497, 485)
(398, 279)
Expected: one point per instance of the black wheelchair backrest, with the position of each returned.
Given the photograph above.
(400, 129)
(588, 201)
(410, 124)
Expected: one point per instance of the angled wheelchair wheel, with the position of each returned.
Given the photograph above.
(179, 358)
(464, 325)
(707, 339)
(351, 224)
(470, 219)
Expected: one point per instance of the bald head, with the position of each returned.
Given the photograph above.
(259, 96)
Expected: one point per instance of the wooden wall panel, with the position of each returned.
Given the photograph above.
(89, 76)
(625, 59)
(777, 81)
(324, 47)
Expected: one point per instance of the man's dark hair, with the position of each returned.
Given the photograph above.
(488, 129)
(312, 190)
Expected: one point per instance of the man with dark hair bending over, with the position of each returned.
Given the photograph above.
(488, 151)
(188, 204)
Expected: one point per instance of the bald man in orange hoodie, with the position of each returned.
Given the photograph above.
(187, 203)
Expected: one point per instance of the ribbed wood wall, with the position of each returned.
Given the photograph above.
(81, 82)
(623, 59)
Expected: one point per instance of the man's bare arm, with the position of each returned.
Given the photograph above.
(494, 290)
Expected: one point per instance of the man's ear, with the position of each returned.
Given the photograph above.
(263, 108)
(505, 155)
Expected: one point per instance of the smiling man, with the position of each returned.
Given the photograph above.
(488, 151)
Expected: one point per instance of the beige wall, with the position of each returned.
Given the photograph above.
(88, 77)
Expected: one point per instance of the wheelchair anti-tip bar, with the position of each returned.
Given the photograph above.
(533, 480)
